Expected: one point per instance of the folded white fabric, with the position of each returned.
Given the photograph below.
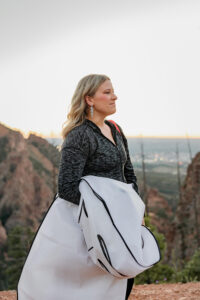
(110, 214)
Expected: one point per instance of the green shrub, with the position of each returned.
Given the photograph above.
(160, 272)
(191, 271)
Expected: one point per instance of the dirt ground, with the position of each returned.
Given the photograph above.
(167, 291)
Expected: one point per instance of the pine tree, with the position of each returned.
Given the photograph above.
(18, 245)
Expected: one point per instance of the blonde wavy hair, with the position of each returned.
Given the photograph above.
(87, 86)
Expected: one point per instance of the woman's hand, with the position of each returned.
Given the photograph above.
(143, 223)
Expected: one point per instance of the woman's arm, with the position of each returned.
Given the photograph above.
(74, 154)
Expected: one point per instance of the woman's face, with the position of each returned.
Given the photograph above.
(104, 99)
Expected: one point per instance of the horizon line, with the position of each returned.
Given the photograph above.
(131, 136)
(56, 135)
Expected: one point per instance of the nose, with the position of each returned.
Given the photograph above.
(114, 97)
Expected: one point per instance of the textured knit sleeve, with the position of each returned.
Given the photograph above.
(128, 167)
(74, 154)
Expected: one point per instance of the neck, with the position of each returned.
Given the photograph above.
(99, 121)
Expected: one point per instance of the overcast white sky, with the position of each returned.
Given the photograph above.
(149, 49)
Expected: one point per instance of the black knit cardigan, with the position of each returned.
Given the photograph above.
(87, 151)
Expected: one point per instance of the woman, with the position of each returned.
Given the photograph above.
(92, 146)
(95, 156)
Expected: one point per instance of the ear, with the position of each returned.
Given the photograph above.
(88, 100)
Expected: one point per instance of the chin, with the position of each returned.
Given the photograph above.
(112, 112)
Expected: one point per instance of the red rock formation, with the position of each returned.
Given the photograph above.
(187, 219)
(161, 216)
(26, 178)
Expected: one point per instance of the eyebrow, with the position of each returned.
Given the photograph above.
(108, 89)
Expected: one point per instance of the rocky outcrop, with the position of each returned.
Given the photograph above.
(187, 219)
(161, 216)
(182, 229)
(28, 170)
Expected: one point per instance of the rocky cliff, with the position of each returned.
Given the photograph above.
(161, 216)
(187, 219)
(28, 170)
(182, 228)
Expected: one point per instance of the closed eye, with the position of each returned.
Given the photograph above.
(109, 91)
